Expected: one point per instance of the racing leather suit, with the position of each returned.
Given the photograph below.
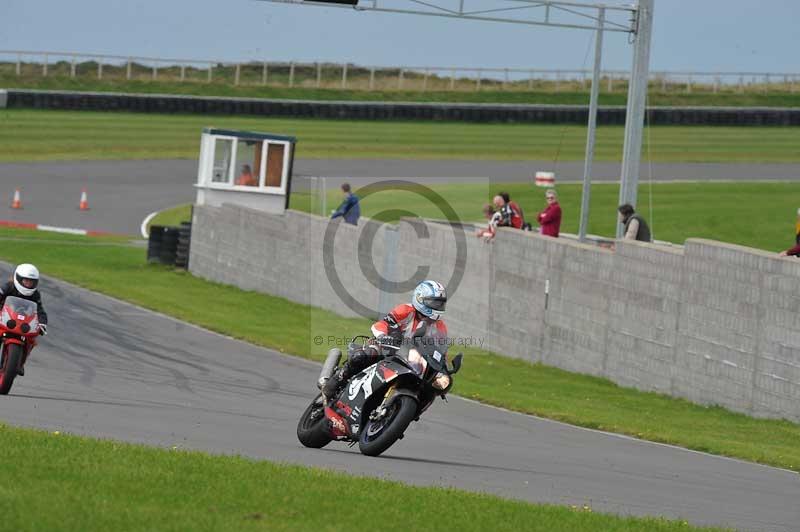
(399, 324)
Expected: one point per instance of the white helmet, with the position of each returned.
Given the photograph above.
(430, 299)
(26, 279)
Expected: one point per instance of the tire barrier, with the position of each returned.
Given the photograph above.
(170, 245)
(182, 250)
(154, 243)
(509, 113)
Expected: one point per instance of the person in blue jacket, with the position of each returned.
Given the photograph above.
(349, 208)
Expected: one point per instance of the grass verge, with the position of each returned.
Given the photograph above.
(172, 216)
(40, 135)
(60, 482)
(120, 270)
(758, 215)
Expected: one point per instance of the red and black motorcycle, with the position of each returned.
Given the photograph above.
(19, 327)
(375, 407)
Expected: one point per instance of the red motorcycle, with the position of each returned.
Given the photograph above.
(19, 327)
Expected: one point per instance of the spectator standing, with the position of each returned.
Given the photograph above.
(550, 218)
(516, 212)
(797, 228)
(246, 177)
(635, 226)
(350, 208)
(508, 216)
(794, 251)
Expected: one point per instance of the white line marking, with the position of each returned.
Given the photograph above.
(146, 221)
(67, 230)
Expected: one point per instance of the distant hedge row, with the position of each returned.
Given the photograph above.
(556, 114)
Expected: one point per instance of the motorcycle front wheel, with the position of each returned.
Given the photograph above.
(8, 372)
(377, 436)
(312, 429)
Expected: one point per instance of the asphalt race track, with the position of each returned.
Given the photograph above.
(122, 193)
(113, 370)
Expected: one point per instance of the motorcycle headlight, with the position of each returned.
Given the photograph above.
(441, 381)
(417, 361)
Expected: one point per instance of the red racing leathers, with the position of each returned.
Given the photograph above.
(398, 325)
(403, 320)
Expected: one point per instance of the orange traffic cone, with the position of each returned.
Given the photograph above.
(84, 203)
(16, 203)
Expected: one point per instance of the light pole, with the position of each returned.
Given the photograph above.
(638, 25)
(634, 115)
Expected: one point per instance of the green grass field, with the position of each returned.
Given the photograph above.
(116, 268)
(39, 135)
(55, 481)
(173, 216)
(542, 93)
(758, 215)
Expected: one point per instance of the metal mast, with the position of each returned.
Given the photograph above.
(635, 20)
(634, 116)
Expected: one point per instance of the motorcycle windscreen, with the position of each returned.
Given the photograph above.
(21, 306)
(18, 309)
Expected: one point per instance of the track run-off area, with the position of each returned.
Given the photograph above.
(122, 194)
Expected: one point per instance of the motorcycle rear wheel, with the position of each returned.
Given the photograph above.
(8, 372)
(377, 436)
(312, 429)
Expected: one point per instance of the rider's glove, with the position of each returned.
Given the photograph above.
(392, 340)
(42, 329)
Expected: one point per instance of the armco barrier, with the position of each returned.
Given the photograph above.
(710, 322)
(575, 114)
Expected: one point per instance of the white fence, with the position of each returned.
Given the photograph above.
(21, 63)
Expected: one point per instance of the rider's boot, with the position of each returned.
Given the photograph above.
(357, 360)
(332, 386)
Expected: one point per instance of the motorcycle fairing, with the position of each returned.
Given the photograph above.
(350, 403)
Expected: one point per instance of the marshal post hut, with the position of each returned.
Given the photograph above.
(245, 168)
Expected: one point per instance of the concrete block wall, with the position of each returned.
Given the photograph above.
(644, 301)
(710, 322)
(468, 309)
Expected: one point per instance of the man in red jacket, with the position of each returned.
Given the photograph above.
(550, 218)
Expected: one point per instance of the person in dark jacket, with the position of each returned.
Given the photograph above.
(24, 284)
(510, 213)
(349, 209)
(516, 211)
(635, 226)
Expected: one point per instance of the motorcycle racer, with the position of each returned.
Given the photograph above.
(427, 305)
(24, 284)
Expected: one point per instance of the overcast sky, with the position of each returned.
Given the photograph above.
(709, 35)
